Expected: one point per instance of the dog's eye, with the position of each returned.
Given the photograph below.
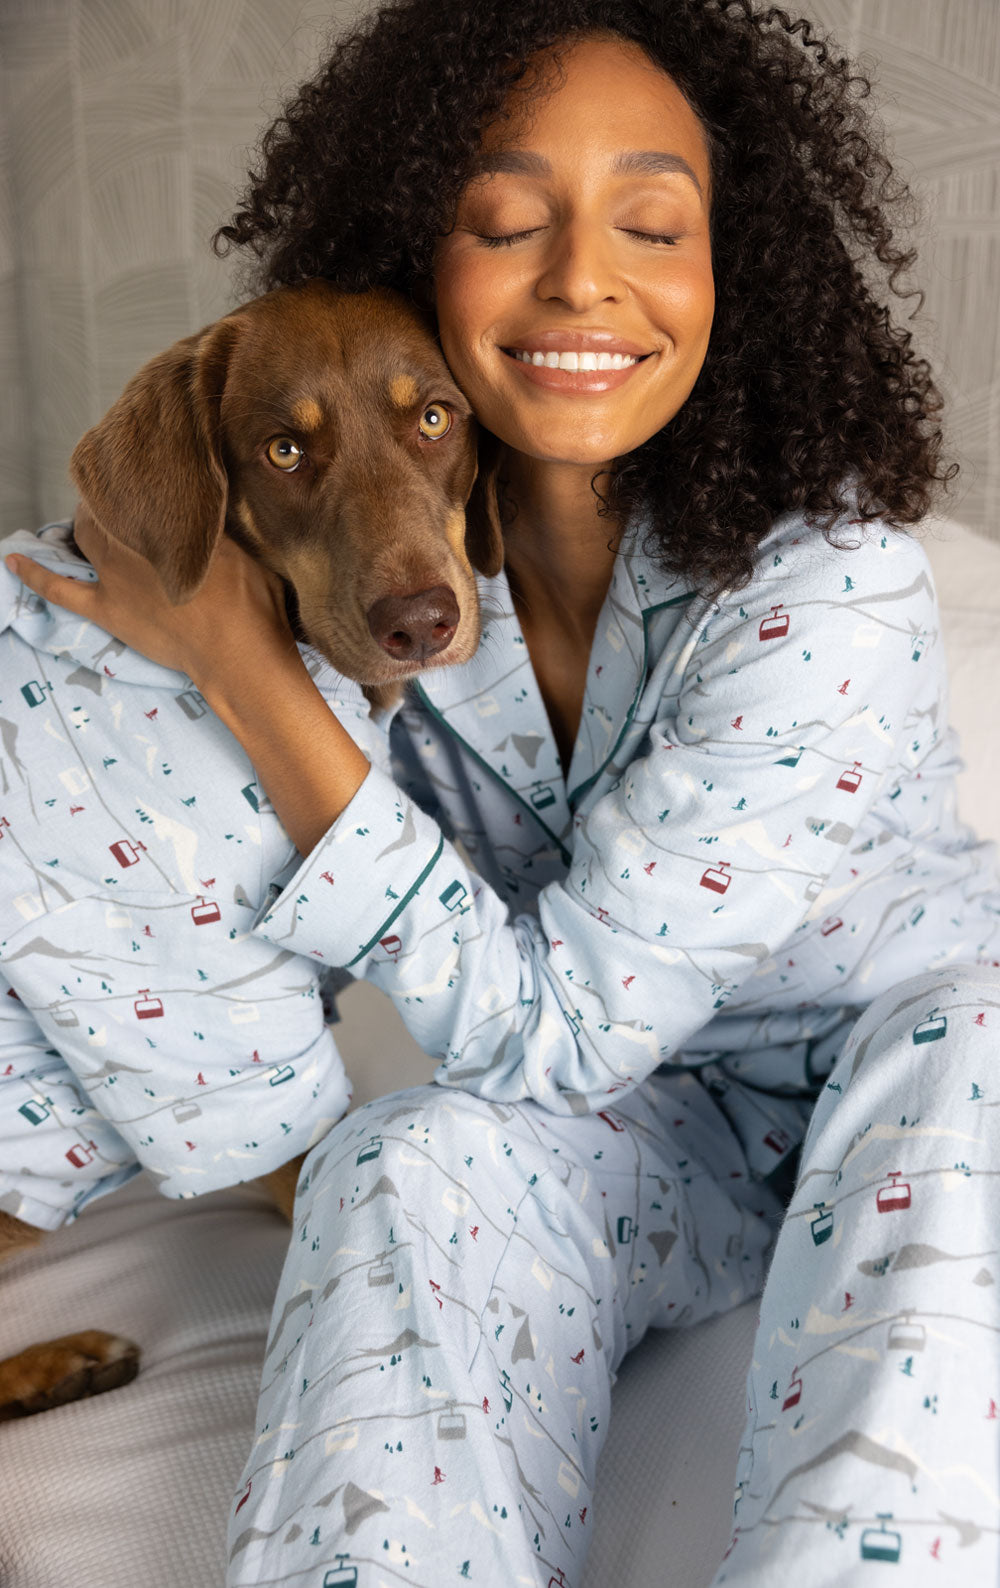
(284, 453)
(435, 422)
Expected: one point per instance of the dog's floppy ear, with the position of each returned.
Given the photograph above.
(151, 471)
(483, 530)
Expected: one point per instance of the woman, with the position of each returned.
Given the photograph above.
(701, 765)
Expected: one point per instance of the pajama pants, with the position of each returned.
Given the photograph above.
(465, 1277)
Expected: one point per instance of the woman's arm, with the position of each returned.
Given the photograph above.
(234, 643)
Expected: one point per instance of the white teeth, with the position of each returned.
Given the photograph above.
(577, 361)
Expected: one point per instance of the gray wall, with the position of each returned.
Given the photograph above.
(126, 126)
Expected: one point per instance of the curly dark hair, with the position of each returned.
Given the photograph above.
(810, 396)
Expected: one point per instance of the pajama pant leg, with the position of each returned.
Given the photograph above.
(462, 1281)
(875, 1386)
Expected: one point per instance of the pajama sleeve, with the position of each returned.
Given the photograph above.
(795, 709)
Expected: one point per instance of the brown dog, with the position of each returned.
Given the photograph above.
(324, 433)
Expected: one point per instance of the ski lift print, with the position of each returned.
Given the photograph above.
(147, 1008)
(182, 1112)
(930, 1030)
(822, 1224)
(626, 1230)
(65, 1018)
(850, 781)
(205, 911)
(794, 1392)
(881, 1543)
(833, 923)
(568, 1479)
(29, 905)
(380, 1273)
(893, 1198)
(126, 853)
(813, 889)
(35, 1111)
(487, 705)
(918, 646)
(393, 946)
(541, 797)
(451, 1424)
(192, 704)
(341, 1576)
(115, 917)
(904, 1335)
(34, 693)
(82, 1153)
(257, 799)
(454, 897)
(370, 1152)
(778, 1140)
(280, 1074)
(774, 627)
(717, 878)
(243, 1014)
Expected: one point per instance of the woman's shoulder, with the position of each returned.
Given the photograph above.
(852, 563)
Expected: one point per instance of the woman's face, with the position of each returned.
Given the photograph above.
(582, 243)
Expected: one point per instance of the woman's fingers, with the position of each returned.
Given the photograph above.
(76, 595)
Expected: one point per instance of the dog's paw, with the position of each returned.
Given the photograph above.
(63, 1370)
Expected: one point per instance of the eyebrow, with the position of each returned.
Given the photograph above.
(633, 162)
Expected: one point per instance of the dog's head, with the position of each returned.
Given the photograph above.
(323, 431)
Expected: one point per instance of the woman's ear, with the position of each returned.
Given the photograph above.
(151, 471)
(483, 528)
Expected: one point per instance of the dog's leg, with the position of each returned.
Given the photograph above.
(67, 1369)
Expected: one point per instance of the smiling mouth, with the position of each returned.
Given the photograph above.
(574, 361)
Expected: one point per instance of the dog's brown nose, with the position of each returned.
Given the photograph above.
(413, 627)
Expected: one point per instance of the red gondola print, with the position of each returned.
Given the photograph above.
(881, 1543)
(930, 1030)
(778, 1140)
(147, 1008)
(126, 853)
(205, 911)
(393, 945)
(776, 626)
(717, 878)
(794, 1392)
(82, 1153)
(609, 1119)
(822, 1224)
(833, 923)
(850, 781)
(893, 1198)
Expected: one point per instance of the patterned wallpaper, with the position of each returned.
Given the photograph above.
(126, 126)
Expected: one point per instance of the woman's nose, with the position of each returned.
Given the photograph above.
(580, 268)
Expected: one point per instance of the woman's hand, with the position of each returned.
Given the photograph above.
(233, 641)
(235, 621)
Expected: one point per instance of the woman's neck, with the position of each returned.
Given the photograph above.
(559, 550)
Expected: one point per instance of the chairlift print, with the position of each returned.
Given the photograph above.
(794, 1392)
(34, 693)
(454, 897)
(541, 797)
(205, 911)
(147, 1008)
(717, 878)
(370, 1152)
(905, 1335)
(778, 1140)
(35, 1111)
(822, 1224)
(192, 704)
(930, 1030)
(380, 1273)
(126, 853)
(67, 1018)
(833, 923)
(881, 1543)
(774, 627)
(280, 1074)
(626, 1230)
(243, 1014)
(257, 799)
(850, 780)
(341, 1576)
(451, 1424)
(182, 1112)
(894, 1197)
(392, 945)
(82, 1153)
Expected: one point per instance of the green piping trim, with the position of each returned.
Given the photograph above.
(400, 906)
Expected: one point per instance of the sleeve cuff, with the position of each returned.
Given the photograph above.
(346, 895)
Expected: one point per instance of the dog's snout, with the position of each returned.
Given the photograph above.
(413, 627)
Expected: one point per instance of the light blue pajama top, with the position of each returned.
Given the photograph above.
(756, 836)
